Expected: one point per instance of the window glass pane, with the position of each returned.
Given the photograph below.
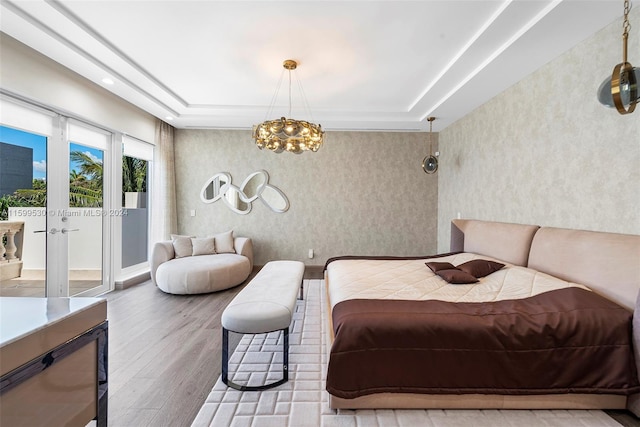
(85, 218)
(135, 202)
(85, 176)
(23, 208)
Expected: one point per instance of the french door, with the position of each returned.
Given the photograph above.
(78, 219)
(66, 211)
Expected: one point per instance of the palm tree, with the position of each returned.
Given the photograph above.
(85, 186)
(77, 179)
(134, 174)
(81, 197)
(90, 168)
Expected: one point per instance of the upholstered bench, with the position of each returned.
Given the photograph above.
(265, 305)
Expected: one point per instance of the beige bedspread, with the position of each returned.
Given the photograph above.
(399, 328)
(412, 280)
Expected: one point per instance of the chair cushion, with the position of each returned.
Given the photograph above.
(257, 317)
(202, 274)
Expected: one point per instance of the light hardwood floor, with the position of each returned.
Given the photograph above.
(20, 287)
(164, 354)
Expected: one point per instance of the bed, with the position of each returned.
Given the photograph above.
(550, 328)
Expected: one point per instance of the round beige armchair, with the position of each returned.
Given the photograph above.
(178, 268)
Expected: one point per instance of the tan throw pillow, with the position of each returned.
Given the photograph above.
(203, 246)
(456, 277)
(182, 246)
(480, 267)
(224, 243)
(174, 236)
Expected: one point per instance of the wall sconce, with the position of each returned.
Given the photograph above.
(621, 89)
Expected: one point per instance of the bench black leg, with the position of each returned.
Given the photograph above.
(225, 364)
(225, 356)
(301, 289)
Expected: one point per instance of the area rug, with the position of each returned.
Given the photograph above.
(303, 401)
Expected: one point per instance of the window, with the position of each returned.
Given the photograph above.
(135, 201)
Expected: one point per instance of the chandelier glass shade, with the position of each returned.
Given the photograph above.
(620, 89)
(288, 134)
(294, 136)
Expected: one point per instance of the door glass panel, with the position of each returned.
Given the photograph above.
(84, 220)
(23, 213)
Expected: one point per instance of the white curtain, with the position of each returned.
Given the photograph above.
(164, 219)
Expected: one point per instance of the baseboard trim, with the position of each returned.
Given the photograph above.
(133, 280)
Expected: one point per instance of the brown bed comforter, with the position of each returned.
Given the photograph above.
(564, 341)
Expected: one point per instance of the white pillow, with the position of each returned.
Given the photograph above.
(174, 236)
(203, 246)
(182, 246)
(224, 243)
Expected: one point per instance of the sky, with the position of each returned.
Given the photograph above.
(39, 145)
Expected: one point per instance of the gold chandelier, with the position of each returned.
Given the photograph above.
(620, 90)
(287, 134)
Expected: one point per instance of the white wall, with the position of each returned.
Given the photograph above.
(29, 74)
(545, 151)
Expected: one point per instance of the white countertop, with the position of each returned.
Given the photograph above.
(21, 316)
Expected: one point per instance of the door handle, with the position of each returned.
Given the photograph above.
(66, 230)
(52, 231)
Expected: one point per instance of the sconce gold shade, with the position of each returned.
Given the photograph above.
(624, 89)
(620, 90)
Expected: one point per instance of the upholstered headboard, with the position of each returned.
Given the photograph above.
(501, 240)
(608, 263)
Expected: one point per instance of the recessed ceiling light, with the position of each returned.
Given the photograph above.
(169, 118)
(108, 81)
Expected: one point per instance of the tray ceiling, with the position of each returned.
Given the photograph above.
(364, 65)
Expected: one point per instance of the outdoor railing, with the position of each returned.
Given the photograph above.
(11, 238)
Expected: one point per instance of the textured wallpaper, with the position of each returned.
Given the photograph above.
(545, 151)
(363, 193)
